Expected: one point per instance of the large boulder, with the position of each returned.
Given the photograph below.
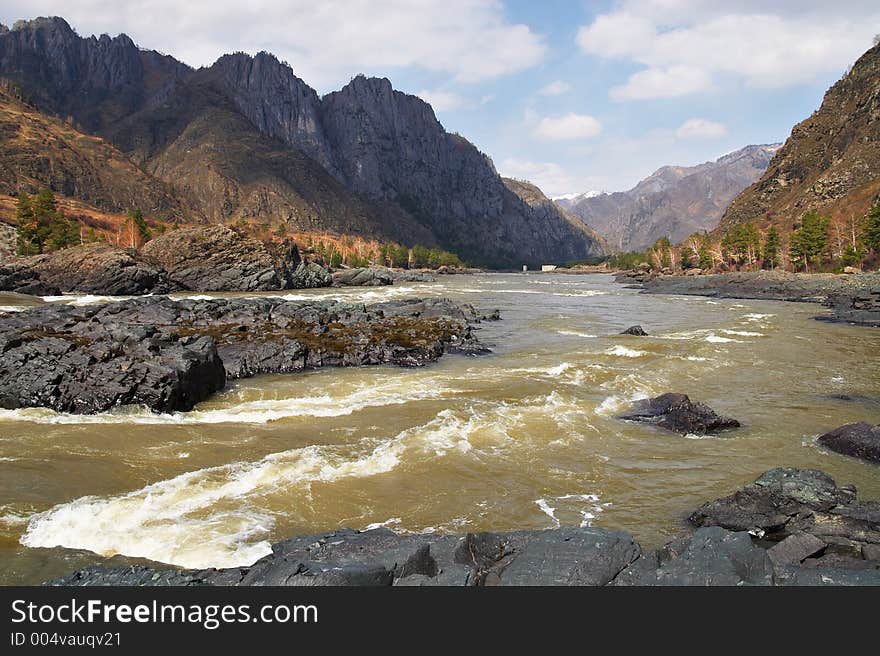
(96, 268)
(217, 258)
(677, 413)
(636, 331)
(364, 277)
(804, 518)
(84, 360)
(860, 440)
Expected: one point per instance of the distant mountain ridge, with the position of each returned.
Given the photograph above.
(674, 201)
(365, 159)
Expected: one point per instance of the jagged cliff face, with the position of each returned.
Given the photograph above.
(366, 159)
(831, 161)
(675, 201)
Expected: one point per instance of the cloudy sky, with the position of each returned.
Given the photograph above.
(573, 95)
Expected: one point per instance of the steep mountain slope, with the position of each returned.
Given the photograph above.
(674, 201)
(830, 162)
(367, 159)
(40, 151)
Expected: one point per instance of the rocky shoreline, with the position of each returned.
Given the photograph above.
(169, 355)
(789, 527)
(853, 299)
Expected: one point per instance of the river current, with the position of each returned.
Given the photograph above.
(523, 438)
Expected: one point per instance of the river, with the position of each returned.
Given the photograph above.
(523, 438)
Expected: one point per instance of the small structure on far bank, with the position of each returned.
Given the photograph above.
(548, 267)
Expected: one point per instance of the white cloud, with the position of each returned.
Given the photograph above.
(662, 83)
(555, 88)
(567, 127)
(686, 45)
(700, 128)
(442, 101)
(326, 43)
(551, 178)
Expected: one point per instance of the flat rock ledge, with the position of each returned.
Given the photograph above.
(169, 355)
(677, 413)
(790, 527)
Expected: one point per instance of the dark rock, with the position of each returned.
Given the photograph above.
(567, 556)
(217, 258)
(859, 440)
(364, 277)
(169, 355)
(794, 549)
(96, 268)
(309, 275)
(677, 413)
(413, 276)
(773, 500)
(712, 556)
(638, 331)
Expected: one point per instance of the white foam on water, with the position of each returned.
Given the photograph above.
(15, 308)
(85, 299)
(248, 412)
(699, 436)
(743, 333)
(587, 293)
(716, 339)
(624, 352)
(757, 317)
(548, 510)
(393, 521)
(204, 518)
(696, 358)
(574, 333)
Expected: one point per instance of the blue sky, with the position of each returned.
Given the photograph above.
(572, 95)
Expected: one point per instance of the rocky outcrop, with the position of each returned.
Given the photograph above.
(96, 268)
(677, 413)
(830, 162)
(674, 201)
(861, 440)
(219, 259)
(364, 277)
(201, 259)
(564, 556)
(169, 355)
(636, 331)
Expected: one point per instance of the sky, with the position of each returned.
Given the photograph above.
(572, 95)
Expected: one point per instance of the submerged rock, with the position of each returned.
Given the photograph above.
(638, 331)
(677, 413)
(169, 355)
(860, 440)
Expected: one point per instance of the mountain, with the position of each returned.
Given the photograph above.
(247, 139)
(567, 201)
(674, 201)
(41, 151)
(831, 161)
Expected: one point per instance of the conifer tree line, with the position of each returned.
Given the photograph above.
(815, 244)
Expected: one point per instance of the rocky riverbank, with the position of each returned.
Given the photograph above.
(789, 527)
(169, 355)
(853, 298)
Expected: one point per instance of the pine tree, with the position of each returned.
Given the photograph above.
(809, 241)
(871, 229)
(771, 248)
(688, 257)
(27, 226)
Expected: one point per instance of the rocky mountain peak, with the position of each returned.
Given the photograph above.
(831, 160)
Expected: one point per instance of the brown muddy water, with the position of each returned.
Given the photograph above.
(523, 438)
